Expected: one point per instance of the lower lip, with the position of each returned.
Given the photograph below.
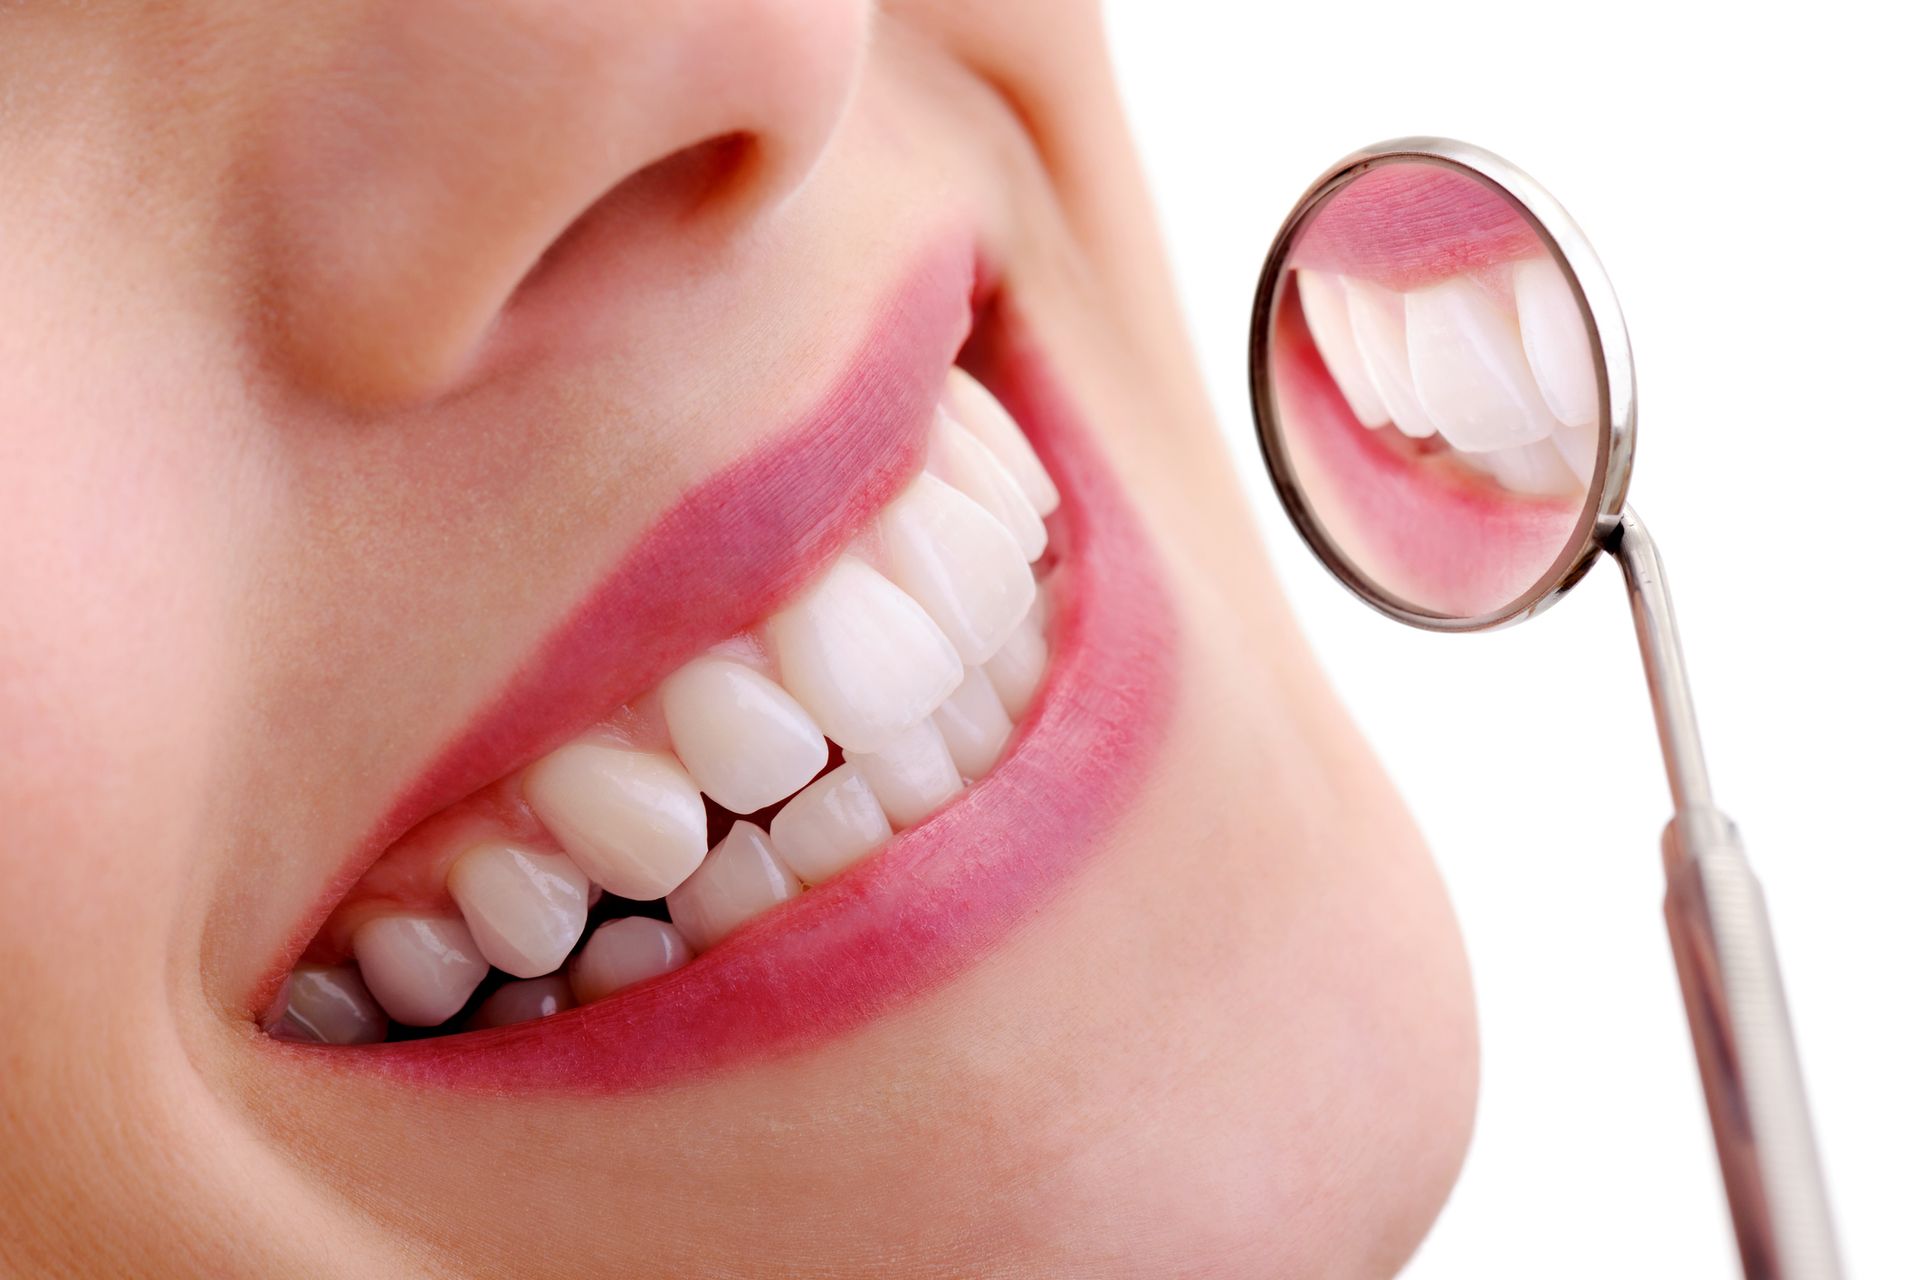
(939, 896)
(1424, 529)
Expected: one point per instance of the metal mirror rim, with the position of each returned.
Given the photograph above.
(1606, 335)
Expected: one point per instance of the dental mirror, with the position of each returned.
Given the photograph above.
(1445, 401)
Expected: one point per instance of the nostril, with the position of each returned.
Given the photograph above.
(702, 183)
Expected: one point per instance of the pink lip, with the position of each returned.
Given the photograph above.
(938, 895)
(1420, 526)
(1410, 224)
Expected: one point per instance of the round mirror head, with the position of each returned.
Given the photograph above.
(1442, 385)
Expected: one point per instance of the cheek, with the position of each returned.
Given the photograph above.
(109, 689)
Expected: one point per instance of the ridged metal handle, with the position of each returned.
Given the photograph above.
(1749, 1067)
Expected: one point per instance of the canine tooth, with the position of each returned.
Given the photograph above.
(328, 1004)
(1379, 317)
(862, 657)
(1554, 334)
(959, 563)
(1535, 468)
(1016, 670)
(974, 725)
(911, 776)
(980, 412)
(523, 1002)
(969, 466)
(1324, 301)
(632, 820)
(741, 878)
(830, 826)
(524, 908)
(623, 952)
(421, 969)
(1471, 374)
(743, 738)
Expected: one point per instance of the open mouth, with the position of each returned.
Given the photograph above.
(1437, 389)
(804, 819)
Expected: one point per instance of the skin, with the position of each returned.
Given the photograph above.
(297, 460)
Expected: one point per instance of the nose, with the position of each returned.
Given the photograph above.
(424, 155)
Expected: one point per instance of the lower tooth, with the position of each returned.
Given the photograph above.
(831, 825)
(523, 1002)
(741, 878)
(421, 969)
(974, 725)
(911, 776)
(1535, 468)
(327, 1005)
(623, 952)
(525, 908)
(1017, 669)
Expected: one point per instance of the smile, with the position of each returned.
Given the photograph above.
(944, 665)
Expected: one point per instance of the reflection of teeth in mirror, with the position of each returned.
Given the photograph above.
(1536, 468)
(1323, 299)
(1554, 335)
(1470, 369)
(1379, 318)
(1490, 373)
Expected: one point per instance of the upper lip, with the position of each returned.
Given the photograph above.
(716, 561)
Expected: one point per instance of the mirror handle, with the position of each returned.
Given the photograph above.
(1729, 974)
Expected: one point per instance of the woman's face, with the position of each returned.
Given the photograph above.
(392, 398)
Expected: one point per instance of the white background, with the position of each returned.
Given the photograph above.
(1750, 185)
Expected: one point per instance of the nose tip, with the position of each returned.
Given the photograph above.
(422, 161)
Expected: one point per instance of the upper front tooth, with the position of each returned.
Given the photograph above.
(961, 564)
(1379, 318)
(741, 878)
(632, 820)
(862, 657)
(525, 908)
(1554, 333)
(980, 412)
(328, 1004)
(969, 466)
(742, 737)
(421, 969)
(830, 826)
(1324, 301)
(1469, 369)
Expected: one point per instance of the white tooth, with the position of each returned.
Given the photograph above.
(1535, 468)
(862, 657)
(743, 738)
(327, 1004)
(1016, 671)
(1324, 301)
(960, 563)
(524, 908)
(980, 412)
(741, 878)
(623, 952)
(1578, 446)
(830, 826)
(1463, 345)
(632, 820)
(1379, 318)
(421, 969)
(523, 1002)
(912, 776)
(1554, 333)
(974, 725)
(969, 466)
